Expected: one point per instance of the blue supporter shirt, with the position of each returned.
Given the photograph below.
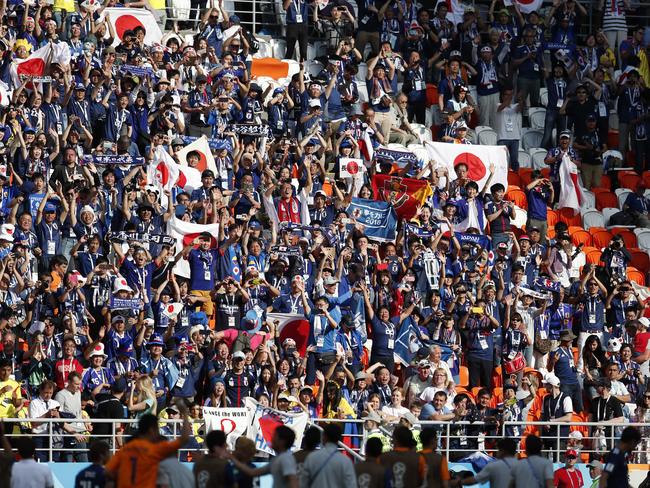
(203, 268)
(93, 476)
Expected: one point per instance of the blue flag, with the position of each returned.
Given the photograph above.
(401, 158)
(378, 218)
(408, 343)
(481, 240)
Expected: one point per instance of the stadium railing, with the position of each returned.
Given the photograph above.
(555, 441)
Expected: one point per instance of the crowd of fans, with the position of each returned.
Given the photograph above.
(519, 330)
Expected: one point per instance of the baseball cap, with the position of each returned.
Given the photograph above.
(239, 355)
(595, 464)
(552, 380)
(424, 363)
(571, 453)
(576, 434)
(565, 134)
(330, 280)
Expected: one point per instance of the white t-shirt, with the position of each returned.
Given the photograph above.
(394, 411)
(509, 123)
(30, 474)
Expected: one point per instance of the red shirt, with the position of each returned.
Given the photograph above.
(567, 479)
(63, 368)
(641, 341)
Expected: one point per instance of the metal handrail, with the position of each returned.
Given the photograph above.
(446, 426)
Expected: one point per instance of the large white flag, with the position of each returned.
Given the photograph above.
(163, 171)
(185, 233)
(526, 6)
(123, 19)
(264, 420)
(570, 193)
(232, 421)
(291, 326)
(202, 148)
(37, 63)
(477, 158)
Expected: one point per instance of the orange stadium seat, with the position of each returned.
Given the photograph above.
(526, 176)
(628, 179)
(628, 236)
(601, 238)
(580, 236)
(606, 199)
(594, 256)
(635, 275)
(514, 178)
(640, 260)
(570, 217)
(552, 217)
(517, 197)
(463, 376)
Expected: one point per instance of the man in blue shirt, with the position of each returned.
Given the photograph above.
(637, 203)
(592, 320)
(297, 15)
(615, 473)
(540, 195)
(94, 475)
(480, 347)
(527, 59)
(203, 269)
(554, 158)
(561, 363)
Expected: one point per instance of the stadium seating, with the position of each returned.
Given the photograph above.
(531, 138)
(601, 238)
(525, 161)
(608, 212)
(537, 156)
(635, 275)
(580, 236)
(606, 199)
(640, 259)
(592, 218)
(487, 137)
(536, 116)
(628, 236)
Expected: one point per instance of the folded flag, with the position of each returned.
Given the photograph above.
(404, 194)
(570, 193)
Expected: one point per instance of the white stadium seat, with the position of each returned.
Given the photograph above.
(537, 116)
(531, 138)
(537, 156)
(621, 194)
(593, 218)
(487, 137)
(525, 161)
(608, 212)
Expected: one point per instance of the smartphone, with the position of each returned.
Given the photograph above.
(476, 310)
(346, 221)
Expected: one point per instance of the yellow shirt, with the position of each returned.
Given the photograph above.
(7, 409)
(67, 5)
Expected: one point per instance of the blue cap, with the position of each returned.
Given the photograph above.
(198, 318)
(345, 143)
(80, 86)
(277, 91)
(254, 225)
(49, 207)
(29, 130)
(234, 19)
(217, 379)
(126, 348)
(155, 340)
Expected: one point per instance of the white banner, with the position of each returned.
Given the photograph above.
(477, 158)
(350, 167)
(232, 421)
(123, 19)
(264, 420)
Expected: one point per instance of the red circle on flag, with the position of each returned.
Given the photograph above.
(298, 330)
(475, 167)
(525, 2)
(34, 67)
(126, 22)
(203, 162)
(353, 167)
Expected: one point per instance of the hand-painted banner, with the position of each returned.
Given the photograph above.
(232, 421)
(264, 420)
(404, 194)
(378, 218)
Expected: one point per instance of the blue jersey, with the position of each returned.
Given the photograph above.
(91, 477)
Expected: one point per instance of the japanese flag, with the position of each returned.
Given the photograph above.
(570, 192)
(477, 158)
(202, 148)
(525, 6)
(123, 19)
(185, 233)
(350, 167)
(163, 172)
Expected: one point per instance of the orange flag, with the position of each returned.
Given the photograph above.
(270, 67)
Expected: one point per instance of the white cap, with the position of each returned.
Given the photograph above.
(314, 102)
(98, 351)
(576, 434)
(121, 285)
(552, 380)
(7, 232)
(87, 208)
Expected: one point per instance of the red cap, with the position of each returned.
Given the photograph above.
(571, 453)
